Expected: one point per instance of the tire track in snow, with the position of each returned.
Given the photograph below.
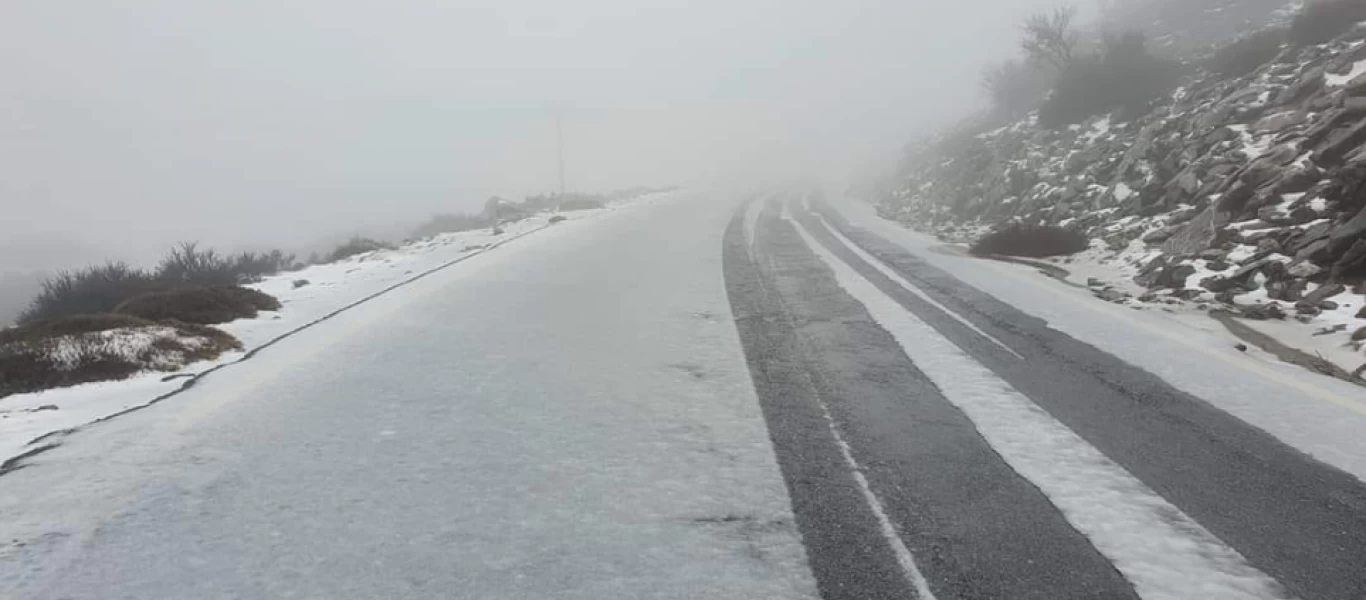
(1164, 553)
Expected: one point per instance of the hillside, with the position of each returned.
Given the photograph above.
(1240, 190)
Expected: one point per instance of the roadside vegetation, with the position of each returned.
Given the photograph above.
(113, 320)
(1033, 241)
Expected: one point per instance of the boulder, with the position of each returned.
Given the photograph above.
(1340, 144)
(1347, 233)
(1304, 269)
(1352, 261)
(1263, 312)
(1323, 292)
(1281, 121)
(1312, 81)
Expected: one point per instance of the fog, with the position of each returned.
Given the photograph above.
(252, 123)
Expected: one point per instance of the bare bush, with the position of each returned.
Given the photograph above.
(1050, 37)
(1122, 75)
(355, 246)
(1035, 241)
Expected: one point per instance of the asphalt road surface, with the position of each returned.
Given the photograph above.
(700, 399)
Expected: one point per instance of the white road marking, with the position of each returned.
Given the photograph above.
(910, 287)
(1164, 553)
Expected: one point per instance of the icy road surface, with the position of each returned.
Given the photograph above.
(565, 417)
(703, 399)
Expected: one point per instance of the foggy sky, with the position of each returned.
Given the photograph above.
(127, 126)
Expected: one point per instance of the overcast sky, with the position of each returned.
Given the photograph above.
(129, 125)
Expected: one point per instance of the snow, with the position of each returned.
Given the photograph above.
(520, 426)
(331, 287)
(1162, 551)
(1322, 417)
(1358, 69)
(1122, 191)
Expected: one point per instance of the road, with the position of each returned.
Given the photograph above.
(702, 399)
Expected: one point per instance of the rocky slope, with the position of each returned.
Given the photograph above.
(1247, 191)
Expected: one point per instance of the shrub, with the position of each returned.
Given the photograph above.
(1248, 53)
(1015, 87)
(354, 246)
(1122, 75)
(1322, 20)
(1050, 38)
(102, 288)
(90, 290)
(69, 351)
(252, 266)
(203, 305)
(186, 263)
(1035, 241)
(450, 223)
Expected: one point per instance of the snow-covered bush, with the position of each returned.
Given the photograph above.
(64, 352)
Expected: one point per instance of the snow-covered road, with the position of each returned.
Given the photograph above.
(701, 398)
(565, 417)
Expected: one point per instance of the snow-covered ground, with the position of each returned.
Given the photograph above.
(1321, 416)
(329, 288)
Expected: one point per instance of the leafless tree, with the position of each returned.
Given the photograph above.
(1050, 38)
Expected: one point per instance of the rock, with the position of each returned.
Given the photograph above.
(1331, 330)
(1212, 254)
(1158, 236)
(1343, 235)
(1304, 269)
(1354, 259)
(1359, 335)
(298, 283)
(1218, 265)
(1148, 274)
(1357, 86)
(496, 231)
(1263, 312)
(1310, 235)
(557, 218)
(1174, 276)
(1268, 245)
(1111, 295)
(1240, 347)
(1315, 251)
(1324, 292)
(1328, 305)
(1281, 121)
(1294, 290)
(46, 407)
(1361, 314)
(1093, 282)
(1312, 81)
(1305, 308)
(1341, 144)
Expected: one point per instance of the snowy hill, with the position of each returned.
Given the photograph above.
(1240, 191)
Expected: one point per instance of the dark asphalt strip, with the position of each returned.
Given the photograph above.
(977, 529)
(1296, 519)
(844, 544)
